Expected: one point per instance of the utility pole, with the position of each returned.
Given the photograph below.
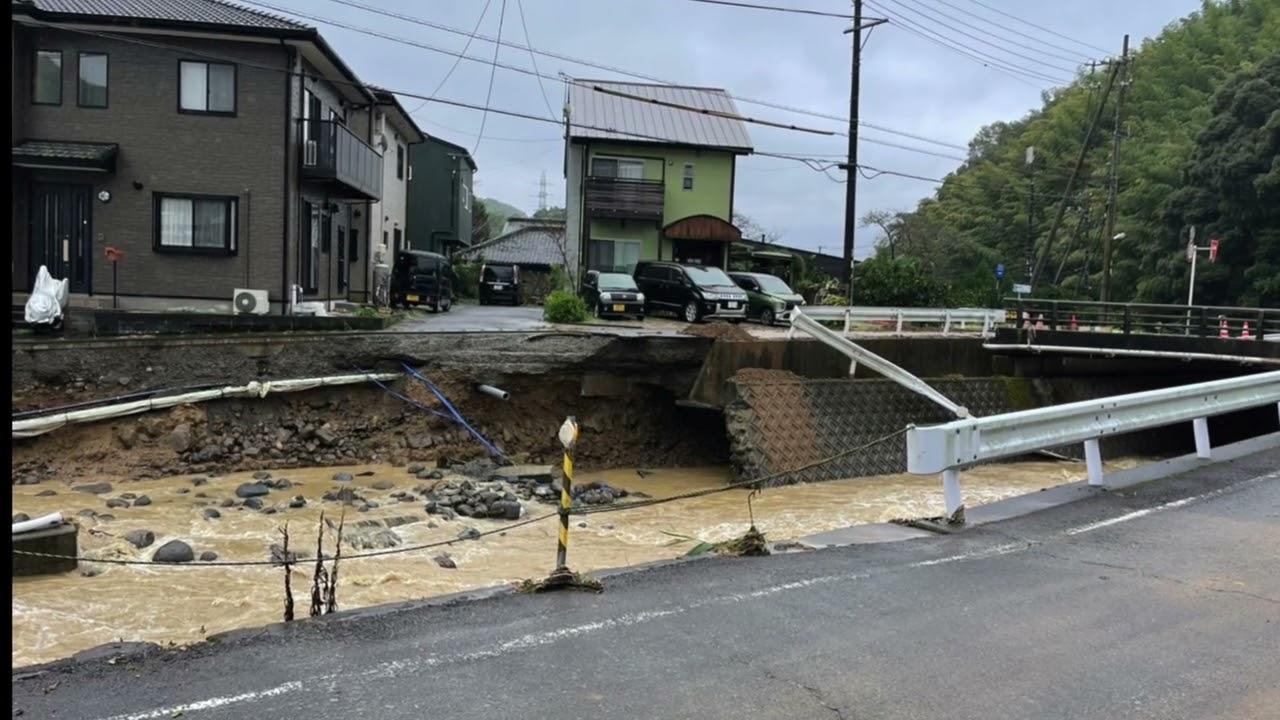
(851, 166)
(1108, 232)
(1031, 211)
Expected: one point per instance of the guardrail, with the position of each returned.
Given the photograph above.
(950, 447)
(946, 317)
(1143, 319)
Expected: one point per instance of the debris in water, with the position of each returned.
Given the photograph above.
(560, 579)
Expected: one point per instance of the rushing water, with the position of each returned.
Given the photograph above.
(56, 616)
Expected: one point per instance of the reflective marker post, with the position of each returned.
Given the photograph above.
(568, 438)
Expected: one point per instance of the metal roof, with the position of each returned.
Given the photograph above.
(537, 245)
(209, 12)
(601, 116)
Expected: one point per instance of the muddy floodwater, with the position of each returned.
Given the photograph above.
(57, 616)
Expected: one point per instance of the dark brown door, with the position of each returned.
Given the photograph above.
(62, 232)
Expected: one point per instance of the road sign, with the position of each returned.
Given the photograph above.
(1213, 251)
(1021, 289)
(1000, 271)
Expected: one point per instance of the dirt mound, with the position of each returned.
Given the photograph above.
(718, 331)
(757, 376)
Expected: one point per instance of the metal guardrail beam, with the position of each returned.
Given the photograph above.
(800, 320)
(952, 446)
(946, 317)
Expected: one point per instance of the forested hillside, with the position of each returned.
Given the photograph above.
(1200, 145)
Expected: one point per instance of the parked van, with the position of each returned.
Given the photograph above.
(422, 279)
(692, 292)
(500, 284)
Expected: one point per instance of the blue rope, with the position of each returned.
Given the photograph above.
(405, 398)
(456, 415)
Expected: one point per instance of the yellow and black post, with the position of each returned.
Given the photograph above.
(568, 438)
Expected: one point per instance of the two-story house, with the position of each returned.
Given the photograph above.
(440, 199)
(648, 176)
(206, 140)
(393, 133)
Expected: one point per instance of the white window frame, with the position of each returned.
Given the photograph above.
(235, 88)
(169, 245)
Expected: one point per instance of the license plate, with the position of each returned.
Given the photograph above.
(499, 286)
(411, 298)
(619, 308)
(733, 306)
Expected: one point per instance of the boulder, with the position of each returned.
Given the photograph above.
(142, 501)
(383, 485)
(327, 435)
(252, 490)
(180, 438)
(372, 539)
(21, 517)
(469, 533)
(253, 503)
(298, 502)
(127, 436)
(211, 514)
(228, 503)
(32, 479)
(117, 503)
(174, 551)
(208, 556)
(94, 488)
(46, 493)
(343, 477)
(446, 562)
(140, 538)
(505, 510)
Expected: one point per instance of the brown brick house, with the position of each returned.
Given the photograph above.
(206, 140)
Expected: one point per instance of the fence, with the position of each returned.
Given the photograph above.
(949, 447)
(1144, 319)
(946, 318)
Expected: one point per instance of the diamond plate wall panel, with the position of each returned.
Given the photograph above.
(779, 428)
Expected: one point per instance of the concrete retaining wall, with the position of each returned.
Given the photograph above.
(60, 540)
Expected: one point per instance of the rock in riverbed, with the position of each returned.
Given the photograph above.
(94, 488)
(174, 551)
(140, 538)
(248, 490)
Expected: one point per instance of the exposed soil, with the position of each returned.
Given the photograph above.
(765, 375)
(718, 331)
(363, 424)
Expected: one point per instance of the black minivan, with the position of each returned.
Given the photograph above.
(500, 283)
(692, 292)
(422, 278)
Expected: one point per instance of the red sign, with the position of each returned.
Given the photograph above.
(1213, 251)
(114, 254)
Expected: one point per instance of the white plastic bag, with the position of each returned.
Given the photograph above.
(48, 299)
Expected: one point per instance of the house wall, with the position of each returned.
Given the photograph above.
(392, 211)
(163, 150)
(574, 227)
(439, 196)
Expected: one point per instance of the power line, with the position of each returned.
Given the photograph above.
(1038, 27)
(534, 58)
(585, 63)
(1075, 53)
(1075, 60)
(458, 60)
(774, 8)
(493, 72)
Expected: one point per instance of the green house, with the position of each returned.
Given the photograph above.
(650, 174)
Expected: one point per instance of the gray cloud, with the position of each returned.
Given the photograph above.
(908, 83)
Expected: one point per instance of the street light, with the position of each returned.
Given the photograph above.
(1118, 236)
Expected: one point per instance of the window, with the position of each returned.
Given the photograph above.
(47, 78)
(688, 176)
(205, 87)
(310, 247)
(466, 198)
(613, 256)
(92, 92)
(399, 161)
(195, 224)
(617, 168)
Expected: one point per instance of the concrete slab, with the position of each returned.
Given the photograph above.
(526, 473)
(60, 540)
(862, 535)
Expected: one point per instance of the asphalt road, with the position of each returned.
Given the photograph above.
(1158, 602)
(477, 318)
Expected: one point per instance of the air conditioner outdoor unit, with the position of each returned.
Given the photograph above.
(250, 302)
(310, 153)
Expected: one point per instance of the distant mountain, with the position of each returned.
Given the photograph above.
(501, 211)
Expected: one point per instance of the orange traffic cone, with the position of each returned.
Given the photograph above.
(1040, 322)
(1223, 331)
(1026, 320)
(1074, 325)
(1244, 331)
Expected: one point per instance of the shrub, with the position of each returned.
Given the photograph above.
(564, 307)
(467, 279)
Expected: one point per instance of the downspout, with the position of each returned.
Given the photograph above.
(286, 298)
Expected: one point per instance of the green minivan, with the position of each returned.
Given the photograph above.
(769, 298)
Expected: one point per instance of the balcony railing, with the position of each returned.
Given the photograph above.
(332, 155)
(608, 197)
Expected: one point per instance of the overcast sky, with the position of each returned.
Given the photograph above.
(909, 83)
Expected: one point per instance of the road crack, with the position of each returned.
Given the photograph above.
(1164, 578)
(814, 692)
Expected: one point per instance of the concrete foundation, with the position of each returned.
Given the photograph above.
(60, 540)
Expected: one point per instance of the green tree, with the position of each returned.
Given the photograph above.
(898, 283)
(551, 213)
(480, 226)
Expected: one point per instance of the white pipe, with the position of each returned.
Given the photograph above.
(40, 523)
(495, 392)
(43, 424)
(1120, 352)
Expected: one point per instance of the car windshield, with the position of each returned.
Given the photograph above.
(615, 281)
(497, 273)
(709, 277)
(773, 285)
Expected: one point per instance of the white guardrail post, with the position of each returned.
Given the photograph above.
(987, 319)
(953, 446)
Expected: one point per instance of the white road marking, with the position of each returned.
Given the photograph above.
(531, 640)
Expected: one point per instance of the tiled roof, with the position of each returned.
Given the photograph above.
(208, 12)
(70, 155)
(527, 246)
(598, 115)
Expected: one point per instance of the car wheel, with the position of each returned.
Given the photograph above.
(447, 304)
(434, 307)
(691, 312)
(766, 317)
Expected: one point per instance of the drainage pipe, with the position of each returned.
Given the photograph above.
(40, 523)
(495, 392)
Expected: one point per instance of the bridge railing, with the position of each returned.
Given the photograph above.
(944, 319)
(1144, 319)
(950, 447)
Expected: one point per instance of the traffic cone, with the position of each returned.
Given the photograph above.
(1223, 331)
(1074, 325)
(1244, 331)
(1026, 320)
(1040, 322)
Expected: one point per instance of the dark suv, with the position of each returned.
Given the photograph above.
(693, 292)
(500, 283)
(422, 278)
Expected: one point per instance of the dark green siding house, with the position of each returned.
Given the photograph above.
(439, 213)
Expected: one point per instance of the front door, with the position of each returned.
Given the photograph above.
(62, 232)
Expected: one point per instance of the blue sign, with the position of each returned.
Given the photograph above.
(1000, 271)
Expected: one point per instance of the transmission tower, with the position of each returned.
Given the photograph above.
(542, 191)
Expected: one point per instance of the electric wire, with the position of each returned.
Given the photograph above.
(1038, 27)
(948, 18)
(534, 59)
(458, 60)
(774, 8)
(493, 71)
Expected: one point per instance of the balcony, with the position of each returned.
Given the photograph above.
(333, 156)
(621, 198)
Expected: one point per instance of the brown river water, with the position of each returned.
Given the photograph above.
(57, 616)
